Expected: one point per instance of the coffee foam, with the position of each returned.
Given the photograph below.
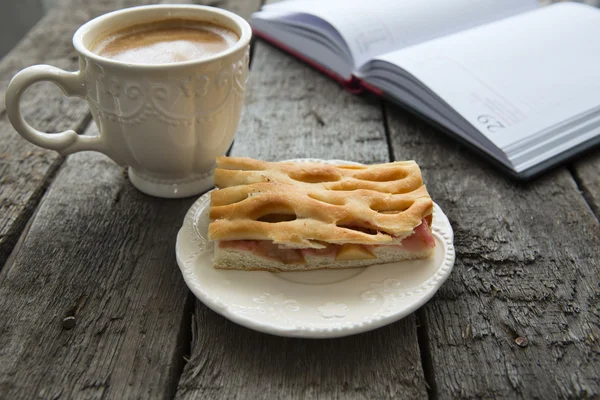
(165, 42)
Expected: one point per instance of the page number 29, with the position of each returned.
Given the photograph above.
(490, 122)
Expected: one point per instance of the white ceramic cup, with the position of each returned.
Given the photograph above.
(167, 122)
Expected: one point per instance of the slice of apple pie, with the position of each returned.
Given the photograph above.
(289, 216)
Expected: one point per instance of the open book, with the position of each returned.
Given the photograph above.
(517, 81)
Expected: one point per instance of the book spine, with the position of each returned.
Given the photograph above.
(352, 85)
(370, 88)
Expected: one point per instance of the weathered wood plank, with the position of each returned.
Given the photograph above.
(528, 266)
(587, 173)
(102, 252)
(292, 111)
(99, 251)
(25, 169)
(232, 362)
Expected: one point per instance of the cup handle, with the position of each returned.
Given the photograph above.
(72, 84)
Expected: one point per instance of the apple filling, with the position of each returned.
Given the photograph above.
(420, 240)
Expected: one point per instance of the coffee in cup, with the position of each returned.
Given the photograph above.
(166, 41)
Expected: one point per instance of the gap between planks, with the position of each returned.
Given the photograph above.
(426, 361)
(184, 340)
(583, 189)
(17, 246)
(37, 198)
(386, 128)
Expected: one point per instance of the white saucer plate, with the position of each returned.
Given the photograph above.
(311, 304)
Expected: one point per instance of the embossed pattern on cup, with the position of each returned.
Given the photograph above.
(189, 117)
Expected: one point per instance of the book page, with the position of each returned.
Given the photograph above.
(374, 27)
(517, 78)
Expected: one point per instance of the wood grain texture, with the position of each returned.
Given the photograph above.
(25, 169)
(587, 173)
(103, 252)
(293, 111)
(519, 316)
(232, 362)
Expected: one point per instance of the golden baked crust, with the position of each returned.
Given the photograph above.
(302, 205)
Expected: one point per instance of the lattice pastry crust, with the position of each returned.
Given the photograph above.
(307, 205)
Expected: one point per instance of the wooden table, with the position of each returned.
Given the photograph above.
(92, 303)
